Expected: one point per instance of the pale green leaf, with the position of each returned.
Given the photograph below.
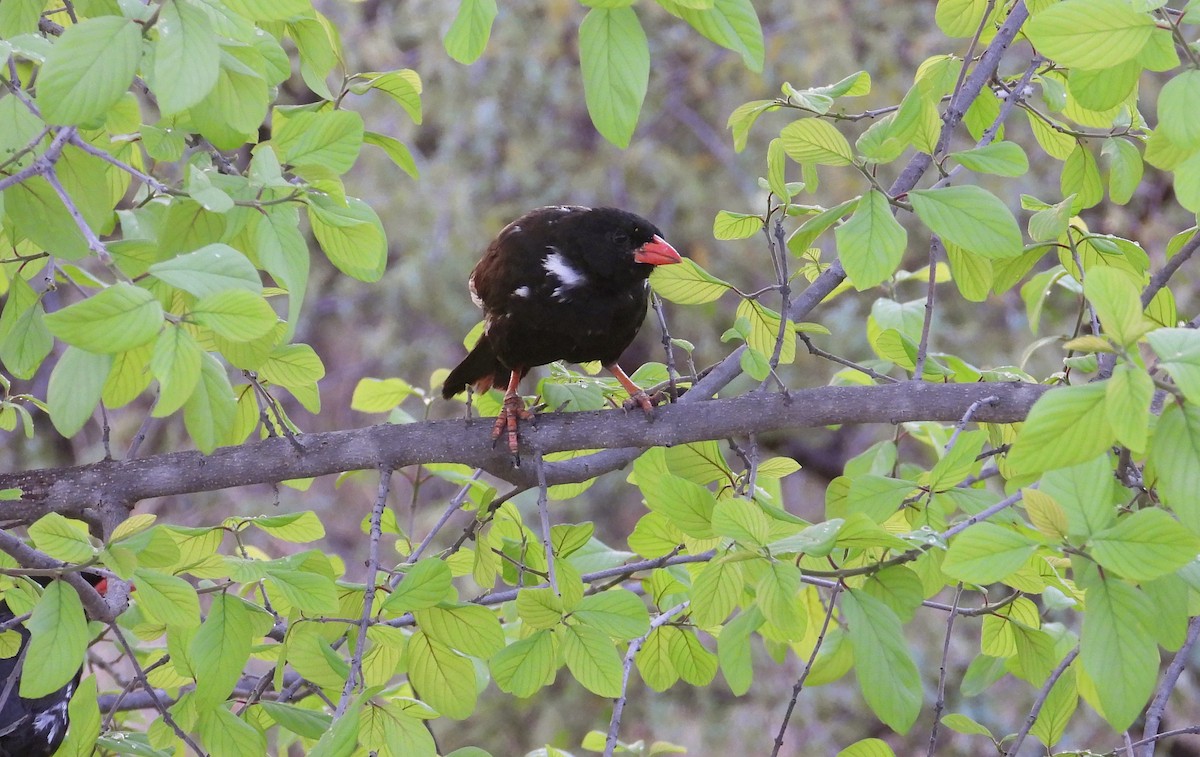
(116, 319)
(88, 69)
(970, 217)
(615, 60)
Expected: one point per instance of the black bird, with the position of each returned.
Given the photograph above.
(33, 727)
(559, 283)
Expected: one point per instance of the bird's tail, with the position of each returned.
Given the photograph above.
(480, 367)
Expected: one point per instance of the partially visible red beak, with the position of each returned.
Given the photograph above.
(657, 252)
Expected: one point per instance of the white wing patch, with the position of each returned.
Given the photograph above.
(557, 266)
(521, 292)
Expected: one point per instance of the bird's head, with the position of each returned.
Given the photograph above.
(616, 243)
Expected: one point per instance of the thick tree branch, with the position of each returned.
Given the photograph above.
(81, 491)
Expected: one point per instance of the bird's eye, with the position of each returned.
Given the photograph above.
(620, 237)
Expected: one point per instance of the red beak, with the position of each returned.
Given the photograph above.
(657, 252)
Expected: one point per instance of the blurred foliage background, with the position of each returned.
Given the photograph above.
(511, 132)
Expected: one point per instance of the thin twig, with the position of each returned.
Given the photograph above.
(812, 658)
(140, 674)
(1043, 693)
(141, 176)
(940, 705)
(356, 674)
(614, 723)
(1164, 274)
(935, 247)
(962, 424)
(1158, 705)
(818, 352)
(544, 514)
(455, 505)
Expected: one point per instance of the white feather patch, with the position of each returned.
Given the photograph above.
(474, 294)
(556, 265)
(521, 292)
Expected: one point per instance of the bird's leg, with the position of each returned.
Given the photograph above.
(636, 395)
(513, 409)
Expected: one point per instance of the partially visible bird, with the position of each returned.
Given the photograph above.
(33, 727)
(559, 283)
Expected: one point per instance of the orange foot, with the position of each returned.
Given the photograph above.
(646, 402)
(506, 421)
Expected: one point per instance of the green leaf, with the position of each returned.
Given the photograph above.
(468, 35)
(871, 244)
(1175, 453)
(868, 747)
(1116, 302)
(83, 714)
(379, 395)
(1178, 110)
(1178, 351)
(76, 384)
(776, 596)
(24, 339)
(592, 659)
(219, 650)
(970, 217)
(689, 506)
(224, 733)
(986, 553)
(468, 628)
(166, 598)
(743, 117)
(62, 539)
(1125, 169)
(395, 149)
(764, 331)
(730, 225)
(1106, 88)
(1081, 179)
(58, 638)
(715, 592)
(654, 661)
(732, 24)
(999, 158)
(424, 585)
(526, 665)
(687, 283)
(231, 113)
(803, 237)
(1085, 493)
(352, 236)
(210, 269)
(445, 679)
(88, 69)
(116, 319)
(887, 676)
(236, 314)
(186, 56)
(1064, 427)
(618, 613)
(959, 18)
(811, 140)
(1117, 651)
(1127, 404)
(176, 364)
(402, 85)
(1144, 546)
(298, 528)
(210, 411)
(330, 139)
(1090, 33)
(615, 60)
(298, 720)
